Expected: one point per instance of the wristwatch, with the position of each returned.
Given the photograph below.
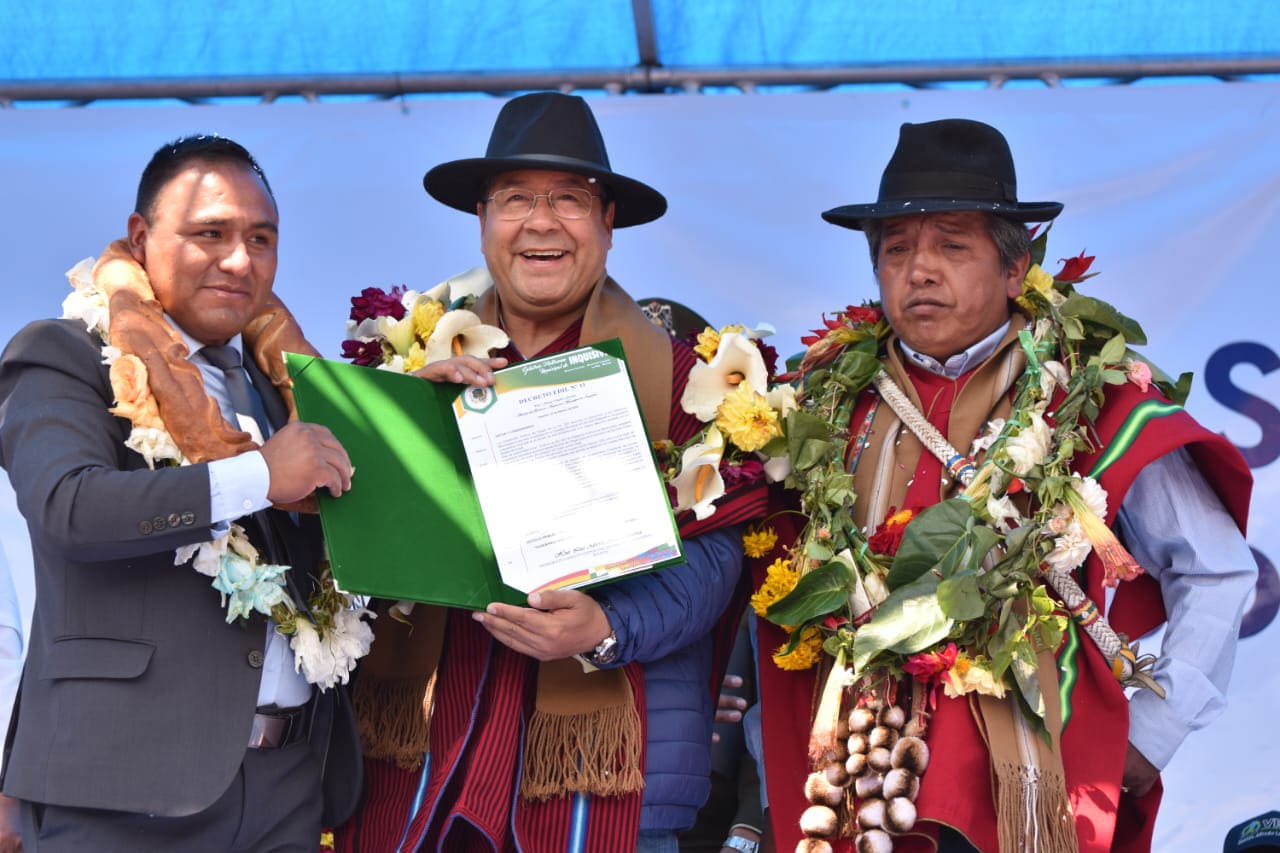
(737, 842)
(606, 652)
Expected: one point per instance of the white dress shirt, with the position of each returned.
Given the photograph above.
(238, 487)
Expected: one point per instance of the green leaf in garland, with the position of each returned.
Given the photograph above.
(906, 622)
(943, 538)
(960, 597)
(821, 591)
(1113, 350)
(1088, 309)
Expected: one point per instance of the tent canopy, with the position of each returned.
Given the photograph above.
(80, 51)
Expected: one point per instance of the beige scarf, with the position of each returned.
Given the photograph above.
(1033, 811)
(585, 733)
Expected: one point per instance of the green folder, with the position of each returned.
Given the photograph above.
(411, 526)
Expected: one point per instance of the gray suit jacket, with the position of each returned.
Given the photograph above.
(137, 695)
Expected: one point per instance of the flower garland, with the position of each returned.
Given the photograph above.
(729, 389)
(952, 595)
(403, 330)
(332, 634)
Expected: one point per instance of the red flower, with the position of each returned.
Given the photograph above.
(365, 353)
(856, 314)
(770, 356)
(375, 302)
(928, 666)
(1074, 269)
(748, 470)
(834, 620)
(888, 536)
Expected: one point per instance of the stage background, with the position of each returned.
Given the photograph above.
(1175, 189)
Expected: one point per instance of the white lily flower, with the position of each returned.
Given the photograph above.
(737, 360)
(398, 333)
(472, 282)
(473, 337)
(782, 398)
(700, 464)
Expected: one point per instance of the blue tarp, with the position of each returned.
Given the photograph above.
(97, 40)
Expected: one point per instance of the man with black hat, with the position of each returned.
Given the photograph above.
(485, 730)
(951, 252)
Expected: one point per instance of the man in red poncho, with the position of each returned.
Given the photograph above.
(950, 249)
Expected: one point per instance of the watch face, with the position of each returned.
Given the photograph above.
(607, 651)
(737, 842)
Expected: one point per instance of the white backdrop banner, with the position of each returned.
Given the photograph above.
(1175, 189)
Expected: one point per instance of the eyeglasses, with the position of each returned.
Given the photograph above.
(567, 202)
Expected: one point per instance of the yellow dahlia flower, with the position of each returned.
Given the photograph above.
(747, 419)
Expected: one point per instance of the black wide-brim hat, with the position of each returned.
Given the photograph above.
(952, 164)
(549, 131)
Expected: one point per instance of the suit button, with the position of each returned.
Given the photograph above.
(144, 527)
(255, 659)
(174, 519)
(158, 523)
(188, 518)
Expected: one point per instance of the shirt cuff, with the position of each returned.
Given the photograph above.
(238, 486)
(1157, 727)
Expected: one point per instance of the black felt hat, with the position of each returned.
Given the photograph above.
(952, 164)
(545, 130)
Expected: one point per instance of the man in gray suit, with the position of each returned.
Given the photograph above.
(146, 718)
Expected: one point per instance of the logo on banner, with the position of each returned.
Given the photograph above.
(1218, 382)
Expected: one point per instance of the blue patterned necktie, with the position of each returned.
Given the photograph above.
(244, 397)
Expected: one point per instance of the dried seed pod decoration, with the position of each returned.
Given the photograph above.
(900, 815)
(819, 822)
(898, 782)
(882, 736)
(868, 785)
(880, 759)
(873, 841)
(856, 763)
(813, 845)
(837, 775)
(820, 792)
(857, 743)
(861, 720)
(892, 716)
(871, 813)
(911, 753)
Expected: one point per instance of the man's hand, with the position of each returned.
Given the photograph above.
(557, 624)
(10, 826)
(1140, 775)
(462, 369)
(729, 708)
(304, 457)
